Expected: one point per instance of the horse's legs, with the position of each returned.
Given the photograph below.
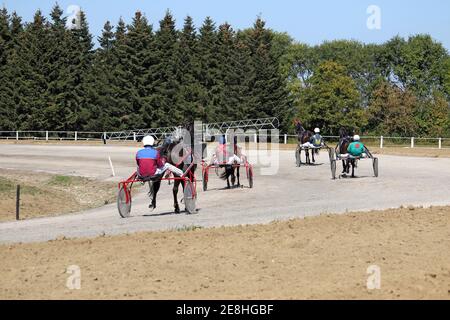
(154, 188)
(346, 166)
(353, 168)
(307, 156)
(176, 185)
(237, 172)
(228, 168)
(233, 176)
(312, 153)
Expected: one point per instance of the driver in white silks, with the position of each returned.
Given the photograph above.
(316, 141)
(227, 153)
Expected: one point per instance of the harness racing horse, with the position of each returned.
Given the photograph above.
(185, 153)
(230, 169)
(344, 140)
(303, 137)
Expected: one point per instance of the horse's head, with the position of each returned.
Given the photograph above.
(305, 136)
(344, 139)
(343, 133)
(179, 144)
(299, 128)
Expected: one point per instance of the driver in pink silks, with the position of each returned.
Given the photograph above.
(227, 154)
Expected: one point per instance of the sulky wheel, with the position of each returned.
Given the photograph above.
(298, 160)
(375, 166)
(205, 180)
(189, 197)
(124, 202)
(331, 154)
(333, 169)
(250, 176)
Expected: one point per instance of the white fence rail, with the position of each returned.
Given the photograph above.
(51, 135)
(379, 141)
(388, 141)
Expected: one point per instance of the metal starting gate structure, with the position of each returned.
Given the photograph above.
(139, 133)
(261, 123)
(208, 129)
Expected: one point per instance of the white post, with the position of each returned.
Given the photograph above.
(440, 143)
(76, 135)
(381, 142)
(112, 168)
(256, 138)
(17, 135)
(46, 135)
(285, 138)
(412, 142)
(134, 136)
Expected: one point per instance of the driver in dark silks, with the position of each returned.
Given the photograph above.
(150, 164)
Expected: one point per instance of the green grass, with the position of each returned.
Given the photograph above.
(60, 180)
(188, 228)
(8, 187)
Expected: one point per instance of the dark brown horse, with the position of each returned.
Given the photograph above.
(171, 149)
(344, 141)
(304, 136)
(232, 170)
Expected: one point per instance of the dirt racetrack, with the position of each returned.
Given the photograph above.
(323, 257)
(290, 192)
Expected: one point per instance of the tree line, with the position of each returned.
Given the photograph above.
(138, 77)
(53, 77)
(399, 88)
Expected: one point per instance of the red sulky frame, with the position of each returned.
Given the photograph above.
(190, 177)
(246, 164)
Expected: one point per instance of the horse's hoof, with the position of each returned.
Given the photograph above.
(177, 210)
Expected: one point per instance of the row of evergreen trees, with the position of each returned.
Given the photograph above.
(138, 77)
(52, 78)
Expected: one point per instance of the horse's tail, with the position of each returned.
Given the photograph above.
(223, 175)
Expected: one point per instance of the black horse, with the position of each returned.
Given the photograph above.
(304, 136)
(183, 149)
(344, 141)
(232, 170)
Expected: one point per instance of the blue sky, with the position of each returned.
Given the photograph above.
(310, 22)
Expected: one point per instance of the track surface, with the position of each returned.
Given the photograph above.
(291, 192)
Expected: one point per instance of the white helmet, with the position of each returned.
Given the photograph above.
(148, 141)
(316, 130)
(356, 137)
